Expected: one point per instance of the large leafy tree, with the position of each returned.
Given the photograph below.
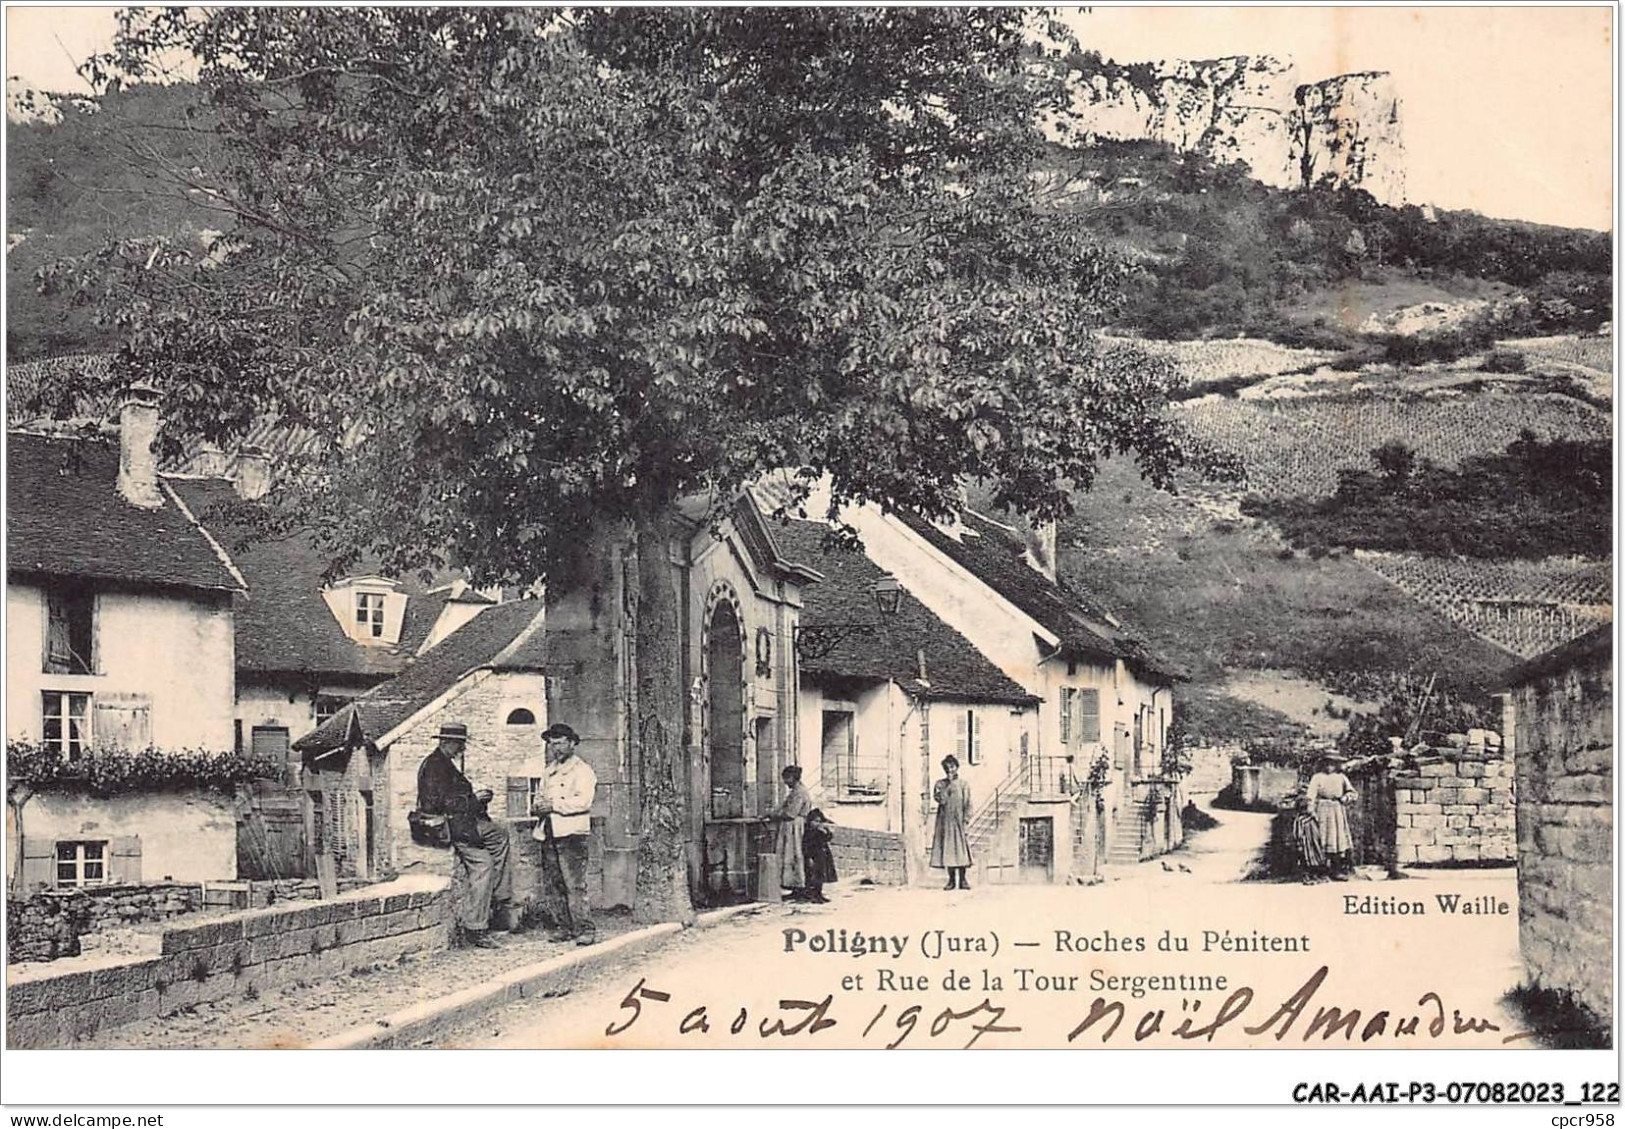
(523, 274)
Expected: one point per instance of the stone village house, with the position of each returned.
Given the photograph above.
(360, 766)
(886, 697)
(150, 646)
(306, 645)
(1104, 698)
(1027, 725)
(120, 633)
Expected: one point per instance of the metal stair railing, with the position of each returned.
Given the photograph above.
(987, 819)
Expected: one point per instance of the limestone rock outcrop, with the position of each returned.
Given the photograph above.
(1349, 130)
(1252, 109)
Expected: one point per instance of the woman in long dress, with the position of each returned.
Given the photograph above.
(791, 817)
(1328, 791)
(950, 845)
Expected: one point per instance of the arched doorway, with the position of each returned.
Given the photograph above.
(726, 736)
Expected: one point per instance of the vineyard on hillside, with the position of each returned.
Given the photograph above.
(1591, 350)
(1207, 363)
(1525, 606)
(1293, 448)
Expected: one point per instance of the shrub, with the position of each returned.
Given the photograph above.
(1504, 360)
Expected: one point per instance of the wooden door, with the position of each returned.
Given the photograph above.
(1036, 857)
(271, 840)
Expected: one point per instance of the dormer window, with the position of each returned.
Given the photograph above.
(369, 614)
(370, 609)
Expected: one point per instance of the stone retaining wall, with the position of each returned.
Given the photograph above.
(1455, 805)
(48, 924)
(875, 855)
(1565, 741)
(230, 955)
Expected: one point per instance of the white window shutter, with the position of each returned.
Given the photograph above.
(122, 721)
(125, 863)
(39, 862)
(394, 616)
(962, 738)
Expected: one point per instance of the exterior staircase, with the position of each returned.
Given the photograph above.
(997, 810)
(1124, 849)
(1126, 830)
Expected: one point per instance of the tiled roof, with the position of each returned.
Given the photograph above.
(995, 555)
(283, 623)
(65, 517)
(483, 642)
(954, 668)
(422, 611)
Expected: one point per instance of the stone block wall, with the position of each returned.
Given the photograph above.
(1455, 805)
(228, 956)
(48, 925)
(1563, 722)
(1210, 768)
(1262, 786)
(495, 752)
(876, 855)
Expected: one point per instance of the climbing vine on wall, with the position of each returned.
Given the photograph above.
(106, 772)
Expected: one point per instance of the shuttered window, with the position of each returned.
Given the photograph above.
(968, 738)
(1066, 716)
(70, 632)
(1088, 715)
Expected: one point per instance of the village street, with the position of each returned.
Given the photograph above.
(1085, 940)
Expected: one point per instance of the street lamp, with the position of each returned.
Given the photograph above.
(814, 641)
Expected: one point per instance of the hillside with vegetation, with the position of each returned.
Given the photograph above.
(79, 178)
(1221, 255)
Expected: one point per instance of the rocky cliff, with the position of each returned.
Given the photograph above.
(1251, 109)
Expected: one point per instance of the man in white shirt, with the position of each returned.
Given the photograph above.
(564, 810)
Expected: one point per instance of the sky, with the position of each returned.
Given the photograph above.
(1508, 111)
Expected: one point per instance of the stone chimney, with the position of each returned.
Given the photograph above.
(1040, 539)
(253, 477)
(137, 432)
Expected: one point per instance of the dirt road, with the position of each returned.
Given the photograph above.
(1033, 961)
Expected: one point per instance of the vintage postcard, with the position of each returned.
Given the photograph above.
(813, 528)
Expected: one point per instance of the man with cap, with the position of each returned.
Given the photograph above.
(479, 845)
(563, 806)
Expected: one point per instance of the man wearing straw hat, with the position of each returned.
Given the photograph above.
(479, 845)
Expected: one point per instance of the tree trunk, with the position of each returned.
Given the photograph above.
(16, 802)
(655, 709)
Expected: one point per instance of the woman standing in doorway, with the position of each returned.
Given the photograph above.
(950, 845)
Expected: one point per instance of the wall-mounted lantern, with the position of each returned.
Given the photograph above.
(814, 641)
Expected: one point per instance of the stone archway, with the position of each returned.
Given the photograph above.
(725, 713)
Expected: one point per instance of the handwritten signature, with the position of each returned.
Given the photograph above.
(1104, 1021)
